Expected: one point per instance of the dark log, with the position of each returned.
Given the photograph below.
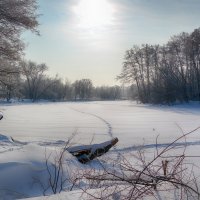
(85, 153)
(1, 116)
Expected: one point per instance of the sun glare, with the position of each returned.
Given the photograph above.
(94, 14)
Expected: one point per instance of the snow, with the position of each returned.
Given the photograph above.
(31, 133)
(133, 124)
(23, 171)
(62, 196)
(92, 147)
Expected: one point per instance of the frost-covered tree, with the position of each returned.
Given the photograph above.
(35, 78)
(83, 89)
(108, 92)
(16, 16)
(10, 79)
(167, 73)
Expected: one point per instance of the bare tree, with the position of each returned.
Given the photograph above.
(15, 17)
(83, 89)
(108, 92)
(10, 79)
(36, 81)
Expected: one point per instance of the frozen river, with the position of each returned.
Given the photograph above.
(132, 123)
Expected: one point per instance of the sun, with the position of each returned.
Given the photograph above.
(94, 14)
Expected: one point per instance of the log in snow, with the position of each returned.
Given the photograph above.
(1, 115)
(85, 153)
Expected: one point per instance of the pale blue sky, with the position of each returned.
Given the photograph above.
(77, 43)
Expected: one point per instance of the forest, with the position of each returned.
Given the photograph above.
(165, 73)
(29, 80)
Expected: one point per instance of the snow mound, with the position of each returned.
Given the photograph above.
(5, 139)
(27, 171)
(72, 195)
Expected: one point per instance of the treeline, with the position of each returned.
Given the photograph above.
(165, 73)
(29, 80)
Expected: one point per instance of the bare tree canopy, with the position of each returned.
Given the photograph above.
(83, 89)
(167, 73)
(15, 17)
(35, 77)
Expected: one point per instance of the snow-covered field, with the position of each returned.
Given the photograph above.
(29, 132)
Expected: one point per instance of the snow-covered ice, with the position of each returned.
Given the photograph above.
(132, 123)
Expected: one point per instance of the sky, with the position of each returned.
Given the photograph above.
(88, 38)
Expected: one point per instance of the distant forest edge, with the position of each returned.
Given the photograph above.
(30, 81)
(165, 73)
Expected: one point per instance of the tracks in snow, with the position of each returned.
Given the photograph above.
(109, 127)
(135, 148)
(162, 145)
(110, 133)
